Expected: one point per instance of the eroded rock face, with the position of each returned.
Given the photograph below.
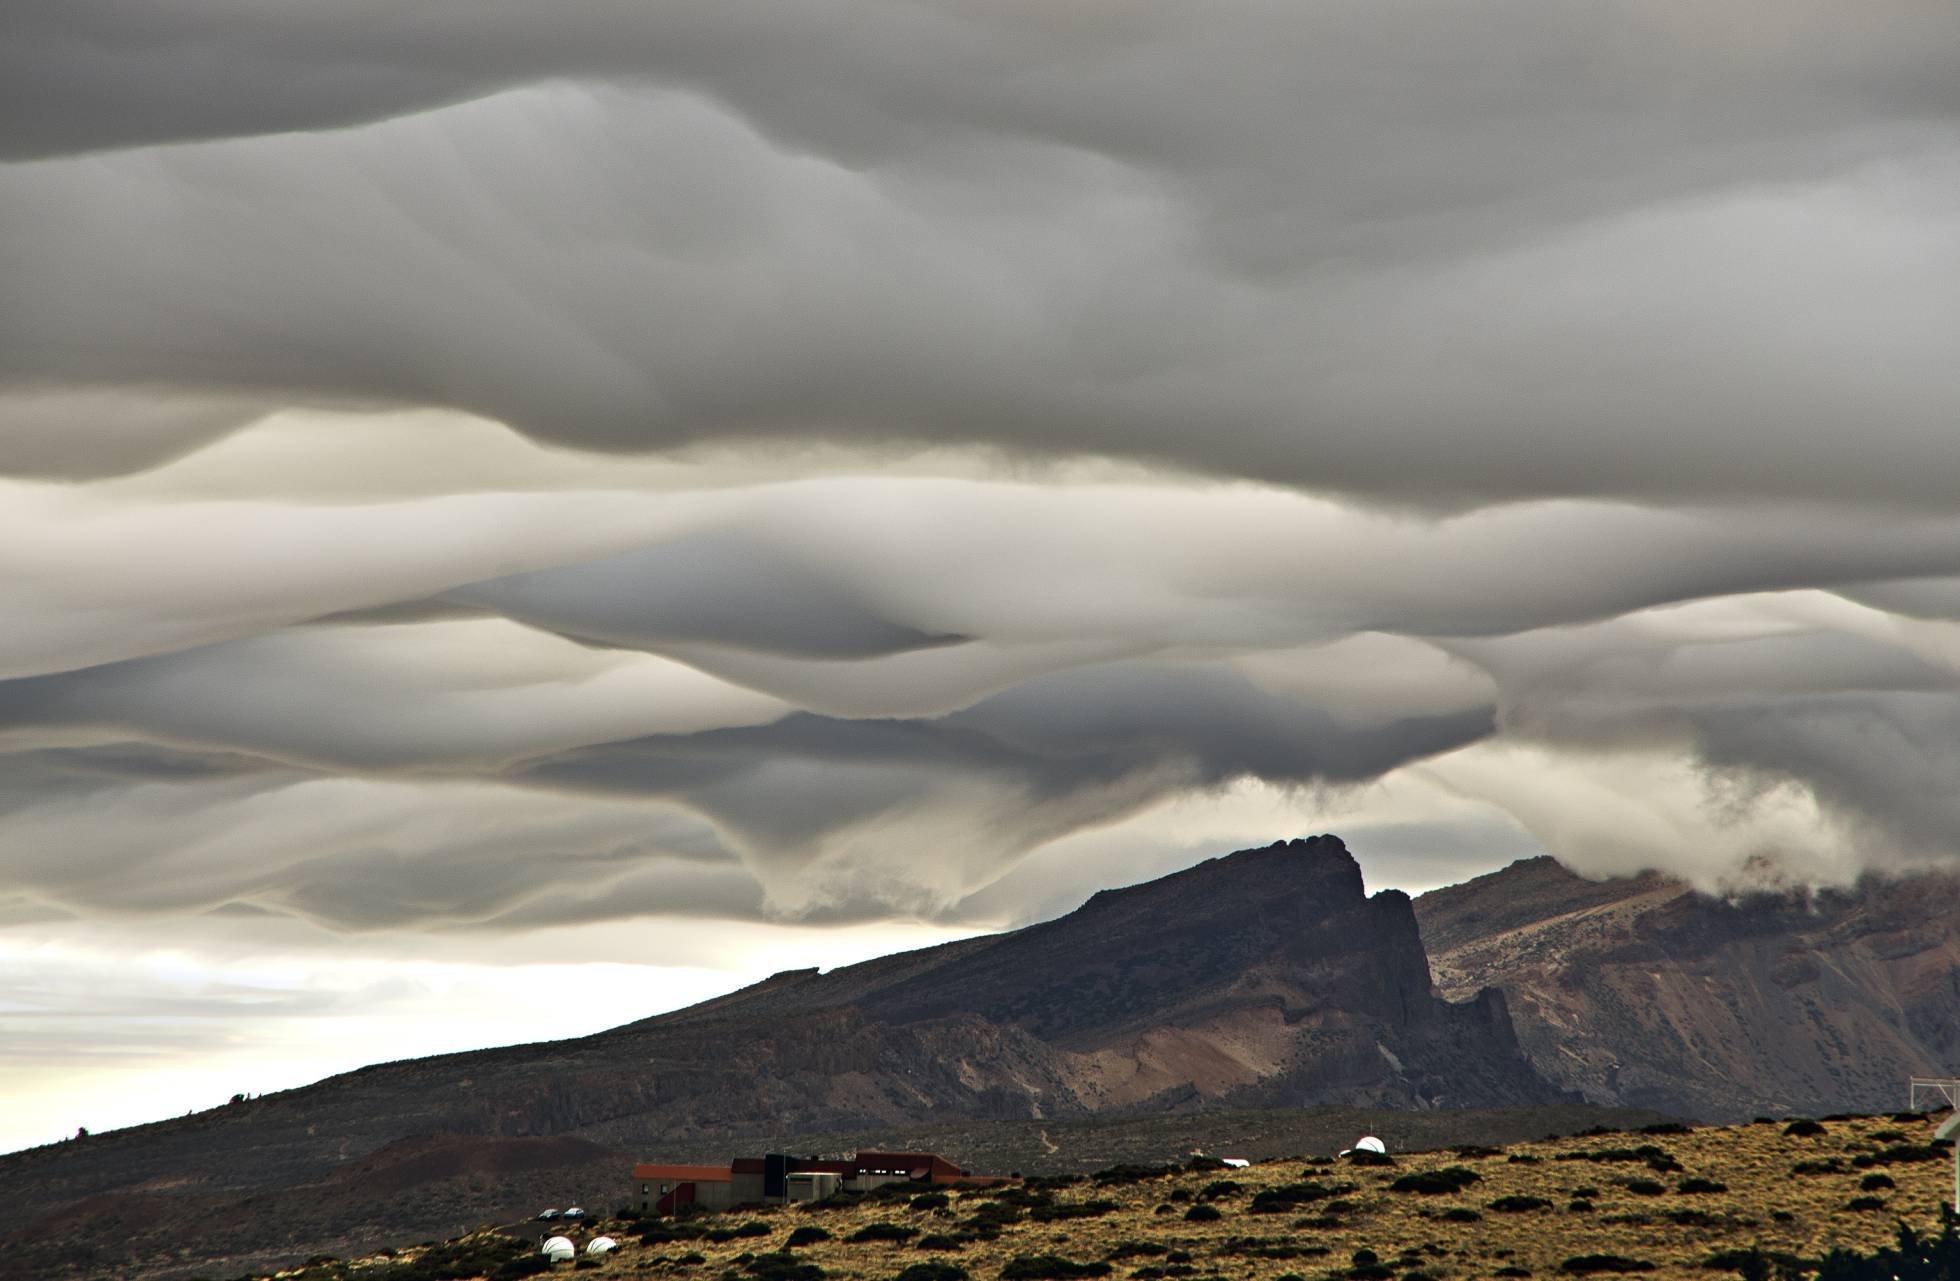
(1639, 991)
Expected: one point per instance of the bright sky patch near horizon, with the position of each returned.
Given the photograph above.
(514, 521)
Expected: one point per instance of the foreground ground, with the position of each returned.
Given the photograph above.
(1664, 1202)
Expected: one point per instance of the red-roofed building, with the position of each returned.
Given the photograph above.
(664, 1189)
(776, 1179)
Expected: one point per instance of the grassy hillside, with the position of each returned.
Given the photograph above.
(1665, 1203)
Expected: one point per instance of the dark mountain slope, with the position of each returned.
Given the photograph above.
(1264, 978)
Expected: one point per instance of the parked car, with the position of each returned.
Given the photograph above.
(547, 1214)
(575, 1213)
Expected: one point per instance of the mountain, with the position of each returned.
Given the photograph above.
(1640, 992)
(1264, 978)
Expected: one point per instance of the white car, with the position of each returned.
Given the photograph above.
(575, 1213)
(547, 1214)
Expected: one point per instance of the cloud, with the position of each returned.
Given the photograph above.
(487, 481)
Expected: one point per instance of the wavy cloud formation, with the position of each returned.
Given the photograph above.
(475, 475)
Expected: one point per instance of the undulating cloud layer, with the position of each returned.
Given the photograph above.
(526, 485)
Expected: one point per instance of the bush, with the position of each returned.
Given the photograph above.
(1512, 1270)
(1691, 1187)
(1888, 1136)
(808, 1234)
(1586, 1264)
(1829, 1165)
(1062, 1210)
(1205, 1164)
(1461, 1214)
(930, 1201)
(882, 1232)
(782, 1267)
(1519, 1204)
(1450, 1179)
(1876, 1183)
(1803, 1129)
(1284, 1197)
(1908, 1154)
(1579, 1205)
(1667, 1127)
(932, 1271)
(1049, 1267)
(1136, 1250)
(1476, 1151)
(1219, 1188)
(1129, 1173)
(1642, 1187)
(1362, 1156)
(1202, 1214)
(1865, 1203)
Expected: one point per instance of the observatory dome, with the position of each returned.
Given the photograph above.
(559, 1250)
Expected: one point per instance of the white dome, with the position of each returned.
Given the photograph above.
(559, 1249)
(1369, 1143)
(601, 1245)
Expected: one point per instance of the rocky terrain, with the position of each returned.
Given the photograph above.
(1265, 978)
(1152, 1020)
(1639, 992)
(1796, 1202)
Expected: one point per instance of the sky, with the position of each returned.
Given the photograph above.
(516, 516)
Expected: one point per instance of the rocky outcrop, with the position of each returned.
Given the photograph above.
(1640, 992)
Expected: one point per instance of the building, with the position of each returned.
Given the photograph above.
(777, 1179)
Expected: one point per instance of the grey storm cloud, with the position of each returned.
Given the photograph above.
(803, 461)
(1422, 251)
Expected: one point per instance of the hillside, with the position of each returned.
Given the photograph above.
(1746, 1202)
(1638, 992)
(1264, 978)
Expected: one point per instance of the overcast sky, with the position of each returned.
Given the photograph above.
(517, 515)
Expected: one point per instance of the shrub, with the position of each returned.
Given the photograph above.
(1908, 1154)
(882, 1232)
(1512, 1270)
(1277, 1200)
(1876, 1183)
(1829, 1165)
(1062, 1210)
(1519, 1204)
(1476, 1151)
(1219, 1188)
(1803, 1129)
(1450, 1179)
(1667, 1127)
(1865, 1203)
(1129, 1173)
(808, 1234)
(1202, 1214)
(1754, 1264)
(1642, 1187)
(1136, 1250)
(1579, 1205)
(944, 1241)
(1364, 1257)
(933, 1271)
(1523, 1158)
(1362, 1156)
(930, 1201)
(1586, 1264)
(1691, 1187)
(1461, 1214)
(1888, 1136)
(1204, 1164)
(782, 1267)
(1049, 1267)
